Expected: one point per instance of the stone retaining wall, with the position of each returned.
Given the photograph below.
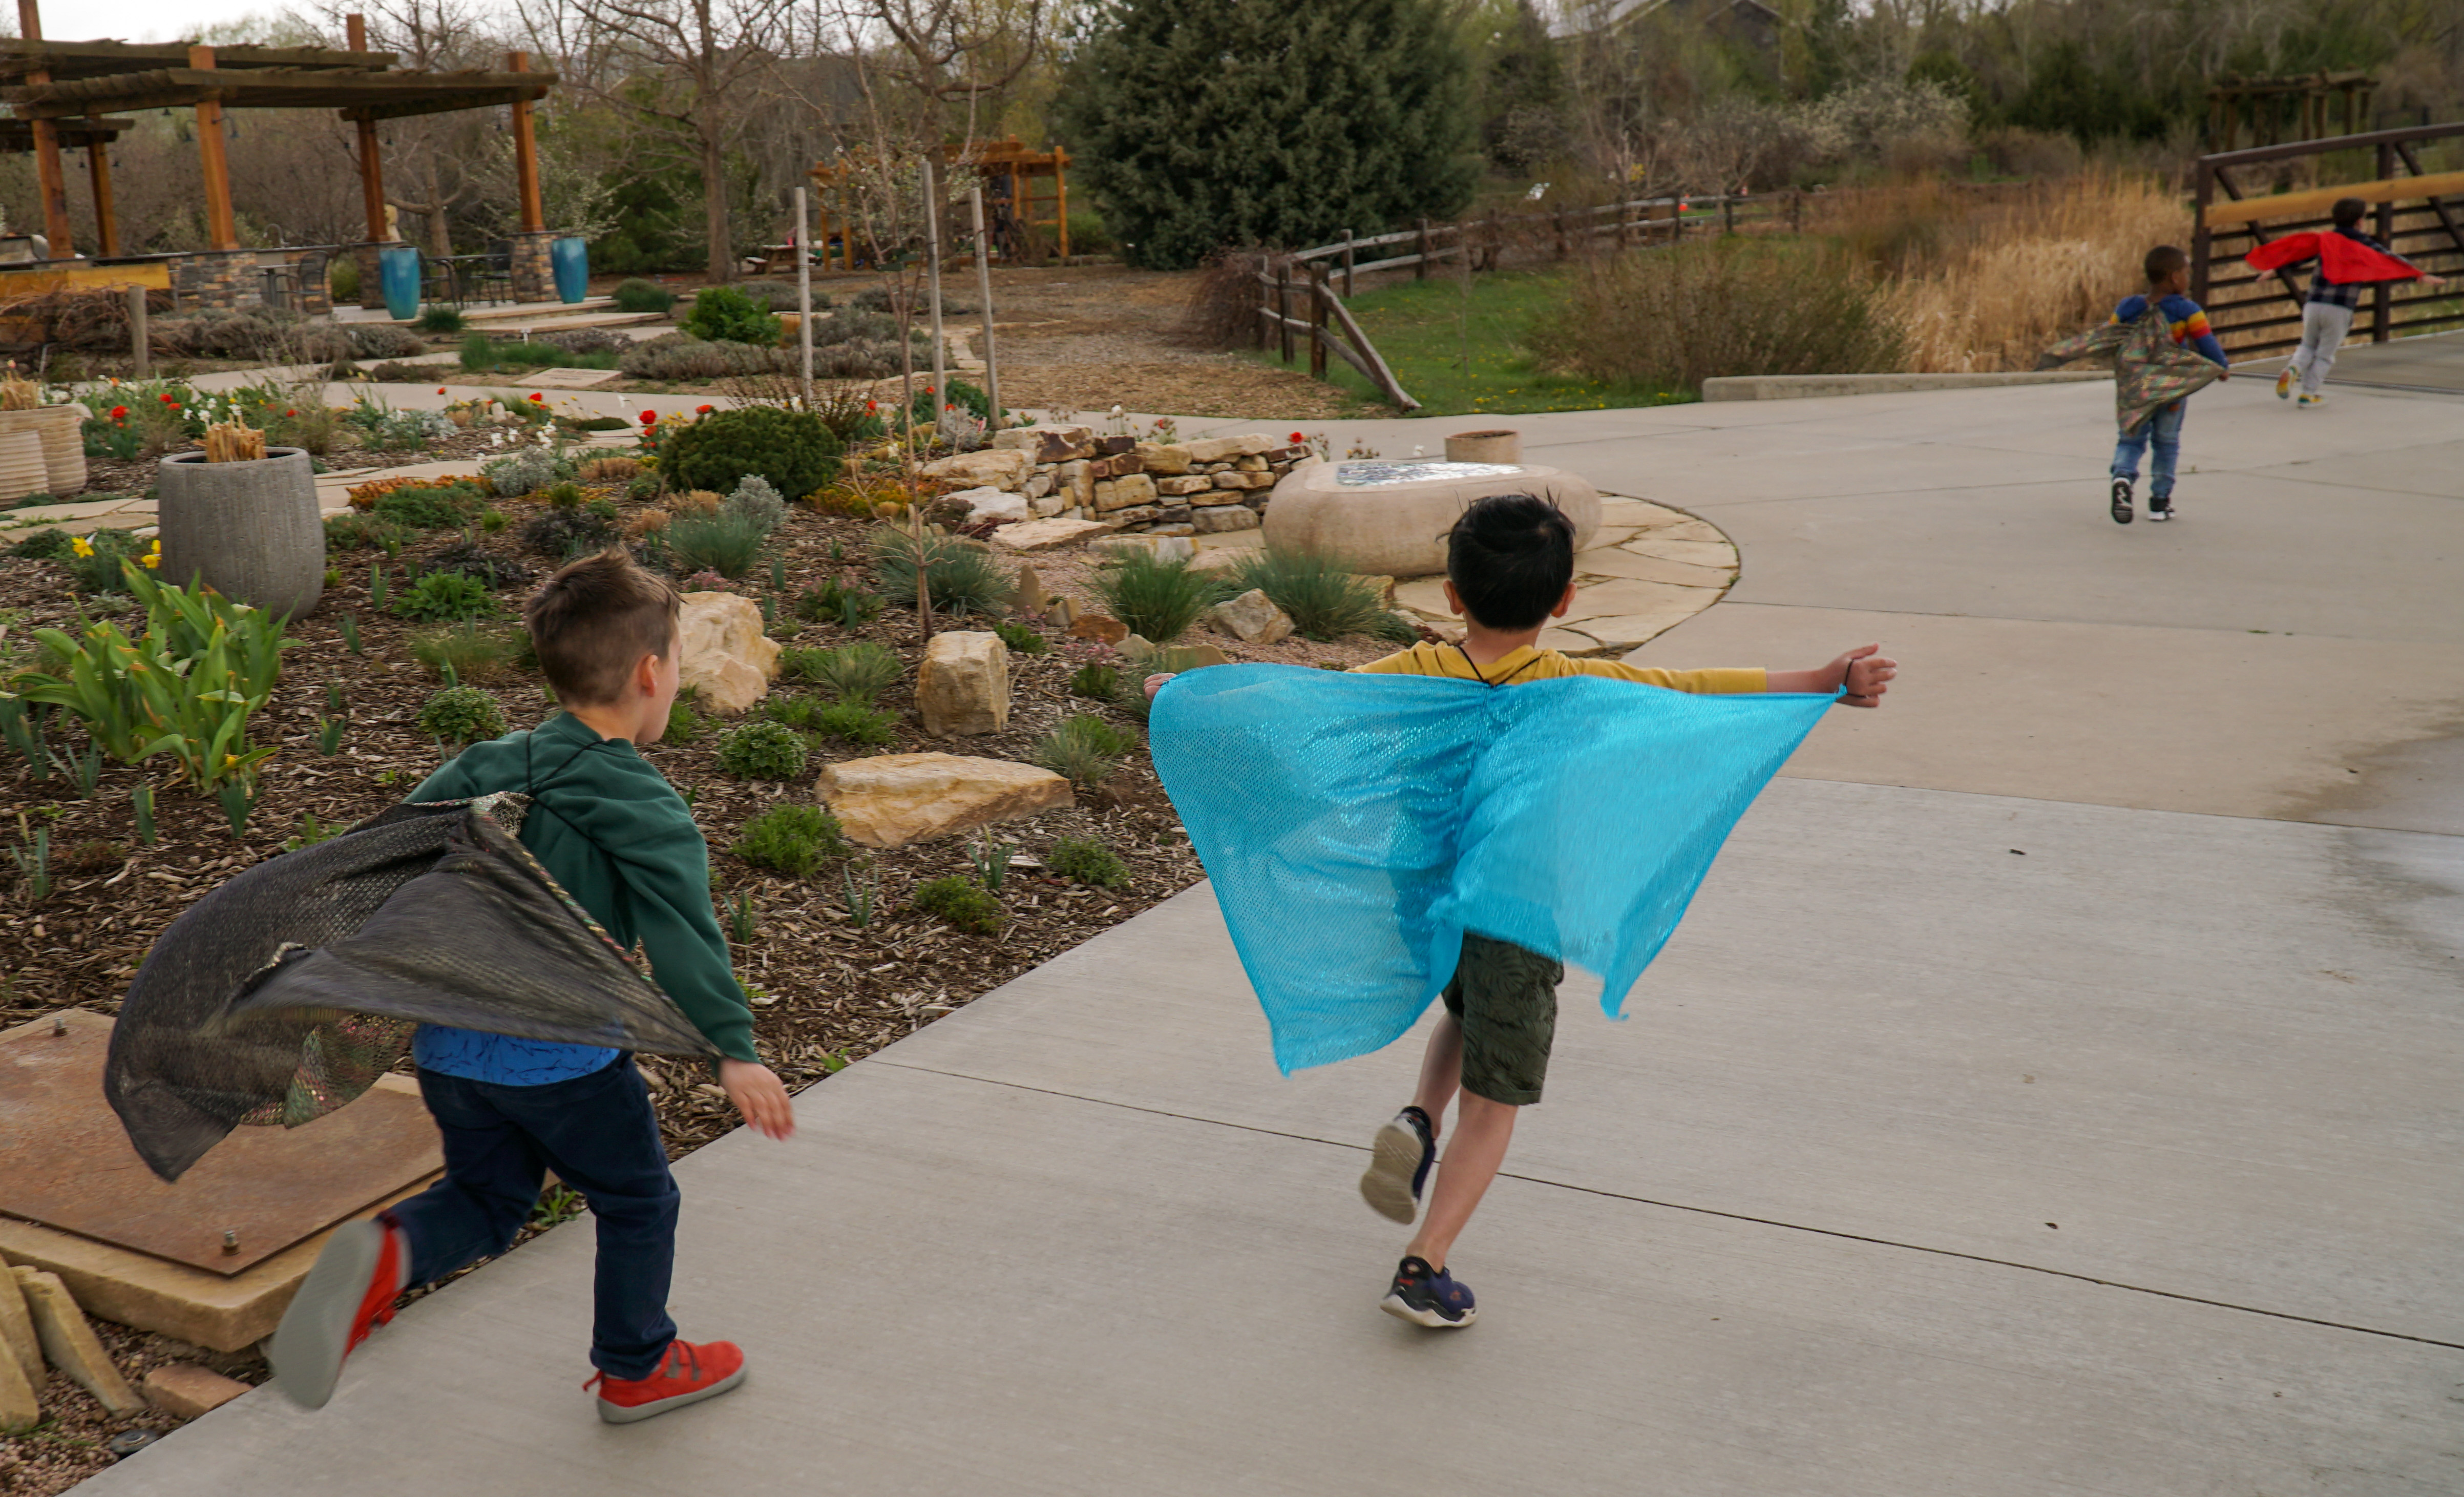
(1203, 487)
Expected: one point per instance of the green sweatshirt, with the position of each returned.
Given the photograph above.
(612, 830)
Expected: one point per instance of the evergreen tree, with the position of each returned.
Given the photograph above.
(1211, 122)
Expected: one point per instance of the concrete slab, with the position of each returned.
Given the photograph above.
(2434, 363)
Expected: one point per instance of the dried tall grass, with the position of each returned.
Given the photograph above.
(1984, 280)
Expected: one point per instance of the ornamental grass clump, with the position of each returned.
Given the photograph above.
(962, 903)
(446, 507)
(834, 601)
(1085, 860)
(466, 652)
(960, 576)
(461, 715)
(795, 840)
(445, 596)
(764, 751)
(1323, 596)
(729, 542)
(1158, 598)
(1085, 750)
(855, 673)
(855, 722)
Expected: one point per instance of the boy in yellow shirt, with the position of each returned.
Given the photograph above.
(1509, 569)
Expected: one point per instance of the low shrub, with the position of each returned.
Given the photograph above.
(51, 544)
(1101, 682)
(1085, 750)
(1157, 599)
(962, 903)
(445, 596)
(725, 315)
(439, 319)
(1018, 637)
(490, 569)
(567, 532)
(466, 652)
(587, 341)
(764, 751)
(526, 471)
(1085, 860)
(96, 568)
(684, 359)
(754, 499)
(383, 340)
(448, 508)
(793, 450)
(834, 601)
(796, 840)
(1324, 598)
(1672, 319)
(480, 352)
(684, 724)
(609, 470)
(778, 296)
(637, 294)
(462, 714)
(728, 543)
(796, 712)
(855, 673)
(856, 723)
(959, 576)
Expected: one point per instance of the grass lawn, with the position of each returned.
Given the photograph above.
(1424, 329)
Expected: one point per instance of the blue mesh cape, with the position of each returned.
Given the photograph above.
(1355, 826)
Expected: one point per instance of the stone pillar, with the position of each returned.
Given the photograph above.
(533, 276)
(210, 281)
(316, 283)
(371, 274)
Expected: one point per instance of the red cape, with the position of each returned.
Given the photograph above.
(2344, 260)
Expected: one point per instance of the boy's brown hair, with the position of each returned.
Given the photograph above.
(594, 620)
(2163, 261)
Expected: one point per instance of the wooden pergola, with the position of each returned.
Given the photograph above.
(62, 90)
(1010, 162)
(2266, 100)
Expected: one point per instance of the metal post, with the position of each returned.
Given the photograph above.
(139, 348)
(2202, 239)
(984, 295)
(2382, 296)
(1349, 289)
(805, 290)
(933, 261)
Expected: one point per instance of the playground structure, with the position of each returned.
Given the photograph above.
(62, 94)
(2257, 314)
(1013, 205)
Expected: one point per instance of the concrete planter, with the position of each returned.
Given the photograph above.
(1390, 518)
(249, 530)
(59, 428)
(1485, 447)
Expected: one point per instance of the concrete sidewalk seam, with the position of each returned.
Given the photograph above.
(1706, 1211)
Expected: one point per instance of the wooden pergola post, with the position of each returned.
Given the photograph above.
(106, 213)
(372, 196)
(526, 178)
(1061, 197)
(47, 147)
(222, 233)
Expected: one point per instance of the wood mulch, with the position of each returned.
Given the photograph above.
(824, 990)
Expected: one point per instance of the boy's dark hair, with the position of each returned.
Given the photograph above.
(2347, 211)
(2163, 261)
(1510, 556)
(594, 620)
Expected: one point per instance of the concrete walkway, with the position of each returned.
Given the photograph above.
(2053, 1089)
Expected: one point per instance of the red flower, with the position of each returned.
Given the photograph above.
(537, 396)
(949, 407)
(169, 400)
(291, 412)
(650, 418)
(1298, 439)
(702, 410)
(872, 404)
(119, 412)
(440, 389)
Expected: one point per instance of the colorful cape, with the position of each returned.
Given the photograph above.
(1357, 825)
(2345, 261)
(2150, 371)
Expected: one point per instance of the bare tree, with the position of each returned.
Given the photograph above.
(692, 71)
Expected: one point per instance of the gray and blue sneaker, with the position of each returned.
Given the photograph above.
(1398, 1166)
(1427, 1296)
(2122, 511)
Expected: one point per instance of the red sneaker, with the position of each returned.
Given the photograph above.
(687, 1375)
(348, 1293)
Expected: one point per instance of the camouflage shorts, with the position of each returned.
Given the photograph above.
(1505, 998)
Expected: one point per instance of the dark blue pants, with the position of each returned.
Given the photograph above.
(600, 1136)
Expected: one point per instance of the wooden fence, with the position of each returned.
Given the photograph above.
(2257, 314)
(1301, 301)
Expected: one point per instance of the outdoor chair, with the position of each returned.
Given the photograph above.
(437, 283)
(491, 275)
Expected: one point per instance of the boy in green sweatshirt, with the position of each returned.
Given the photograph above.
(611, 830)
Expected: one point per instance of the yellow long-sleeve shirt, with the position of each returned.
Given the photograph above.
(1529, 664)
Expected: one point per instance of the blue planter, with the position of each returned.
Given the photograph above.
(398, 274)
(570, 259)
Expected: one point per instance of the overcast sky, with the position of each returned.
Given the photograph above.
(143, 20)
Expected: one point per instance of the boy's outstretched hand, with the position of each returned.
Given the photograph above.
(760, 1096)
(1863, 672)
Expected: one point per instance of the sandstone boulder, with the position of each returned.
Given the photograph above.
(1165, 457)
(963, 685)
(1102, 628)
(1214, 520)
(1223, 448)
(1125, 491)
(998, 468)
(989, 503)
(728, 661)
(1163, 549)
(1186, 483)
(1048, 442)
(183, 1390)
(1046, 535)
(897, 799)
(1252, 619)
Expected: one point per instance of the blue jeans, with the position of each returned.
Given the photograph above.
(2165, 430)
(599, 1134)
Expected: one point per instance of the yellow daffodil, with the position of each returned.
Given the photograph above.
(81, 545)
(151, 559)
